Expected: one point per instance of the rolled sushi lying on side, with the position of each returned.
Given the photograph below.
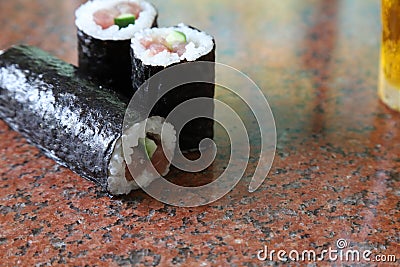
(79, 124)
(154, 50)
(105, 29)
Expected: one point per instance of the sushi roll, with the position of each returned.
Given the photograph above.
(79, 124)
(105, 29)
(157, 49)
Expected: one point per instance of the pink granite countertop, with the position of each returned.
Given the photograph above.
(336, 173)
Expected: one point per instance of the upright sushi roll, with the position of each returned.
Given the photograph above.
(80, 125)
(157, 49)
(105, 28)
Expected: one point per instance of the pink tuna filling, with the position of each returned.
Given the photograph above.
(105, 17)
(159, 44)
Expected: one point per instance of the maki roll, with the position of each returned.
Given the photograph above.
(79, 124)
(157, 49)
(105, 29)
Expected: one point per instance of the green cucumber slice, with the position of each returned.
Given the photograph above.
(175, 37)
(124, 20)
(151, 147)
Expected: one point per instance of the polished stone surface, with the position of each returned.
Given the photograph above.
(336, 173)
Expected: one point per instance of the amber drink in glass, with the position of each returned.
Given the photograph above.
(389, 80)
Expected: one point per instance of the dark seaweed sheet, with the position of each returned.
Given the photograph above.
(71, 119)
(196, 130)
(107, 62)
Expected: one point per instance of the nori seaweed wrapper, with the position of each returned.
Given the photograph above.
(107, 62)
(196, 130)
(70, 119)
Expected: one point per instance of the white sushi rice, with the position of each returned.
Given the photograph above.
(84, 20)
(199, 44)
(117, 182)
(1, 52)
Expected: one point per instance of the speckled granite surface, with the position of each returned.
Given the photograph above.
(337, 169)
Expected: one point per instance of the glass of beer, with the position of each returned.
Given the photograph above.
(389, 77)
